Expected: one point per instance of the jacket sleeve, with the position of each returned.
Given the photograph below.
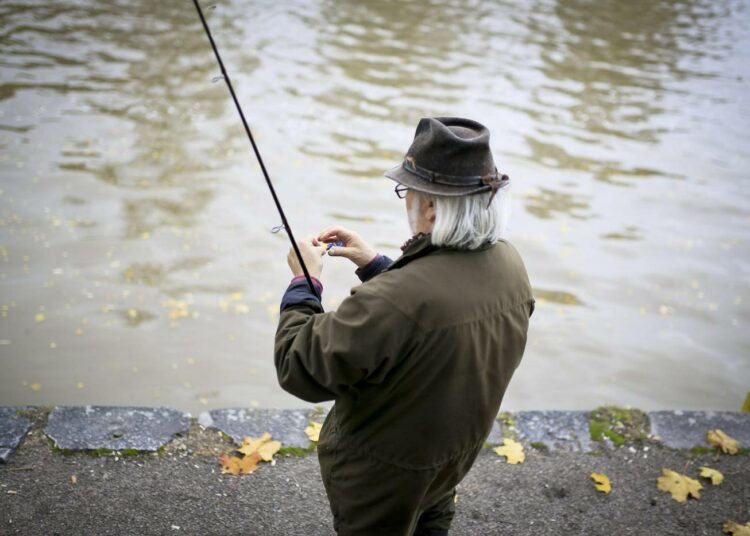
(319, 356)
(299, 291)
(373, 268)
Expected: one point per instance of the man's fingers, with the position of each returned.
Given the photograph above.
(334, 232)
(340, 251)
(308, 242)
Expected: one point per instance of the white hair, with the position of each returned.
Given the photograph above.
(465, 222)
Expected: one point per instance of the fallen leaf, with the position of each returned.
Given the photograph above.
(248, 464)
(730, 527)
(719, 439)
(715, 476)
(313, 431)
(267, 450)
(253, 450)
(262, 445)
(601, 481)
(680, 486)
(229, 464)
(512, 450)
(73, 479)
(746, 405)
(251, 444)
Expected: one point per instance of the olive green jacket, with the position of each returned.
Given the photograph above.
(418, 357)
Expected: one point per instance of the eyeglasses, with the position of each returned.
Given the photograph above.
(401, 190)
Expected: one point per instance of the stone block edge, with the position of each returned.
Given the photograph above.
(681, 433)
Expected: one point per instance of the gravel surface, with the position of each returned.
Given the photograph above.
(181, 491)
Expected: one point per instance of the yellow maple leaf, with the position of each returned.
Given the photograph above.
(719, 439)
(715, 476)
(730, 527)
(601, 481)
(680, 486)
(313, 431)
(253, 450)
(267, 450)
(512, 450)
(251, 444)
(262, 445)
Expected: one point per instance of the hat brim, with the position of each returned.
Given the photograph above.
(409, 179)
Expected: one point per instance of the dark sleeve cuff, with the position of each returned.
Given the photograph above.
(373, 268)
(299, 291)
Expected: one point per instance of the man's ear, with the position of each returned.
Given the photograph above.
(429, 210)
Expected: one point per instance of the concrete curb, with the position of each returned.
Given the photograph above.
(13, 428)
(137, 429)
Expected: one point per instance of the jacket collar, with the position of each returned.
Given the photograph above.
(419, 245)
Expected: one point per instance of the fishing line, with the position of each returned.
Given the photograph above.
(284, 223)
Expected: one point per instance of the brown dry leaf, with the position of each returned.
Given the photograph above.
(601, 481)
(313, 431)
(730, 527)
(680, 486)
(512, 450)
(248, 464)
(230, 464)
(719, 439)
(715, 476)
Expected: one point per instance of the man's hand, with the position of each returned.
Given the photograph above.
(354, 248)
(312, 252)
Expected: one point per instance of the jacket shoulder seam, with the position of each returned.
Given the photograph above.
(396, 307)
(478, 319)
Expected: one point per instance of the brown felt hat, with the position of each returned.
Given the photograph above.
(449, 156)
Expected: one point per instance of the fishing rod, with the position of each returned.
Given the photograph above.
(284, 222)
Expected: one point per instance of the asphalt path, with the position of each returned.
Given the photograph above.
(181, 491)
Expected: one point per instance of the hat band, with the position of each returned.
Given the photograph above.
(491, 180)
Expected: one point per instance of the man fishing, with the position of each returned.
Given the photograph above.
(419, 356)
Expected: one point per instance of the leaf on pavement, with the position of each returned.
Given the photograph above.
(251, 444)
(267, 450)
(229, 464)
(512, 450)
(248, 464)
(715, 476)
(601, 481)
(680, 486)
(313, 431)
(719, 439)
(730, 527)
(253, 450)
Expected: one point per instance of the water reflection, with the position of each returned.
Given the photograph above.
(629, 233)
(546, 203)
(388, 63)
(604, 75)
(556, 296)
(125, 176)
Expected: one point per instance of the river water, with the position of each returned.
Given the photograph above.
(137, 264)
